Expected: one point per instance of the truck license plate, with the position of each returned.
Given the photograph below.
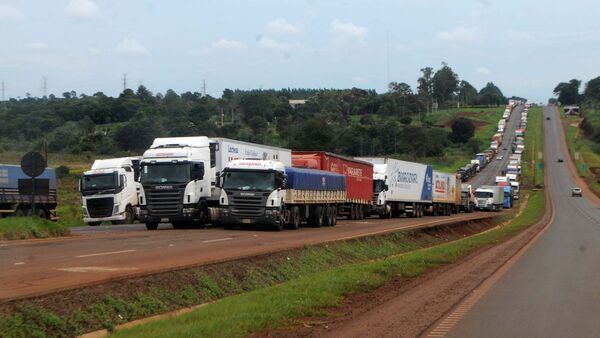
(164, 220)
(246, 221)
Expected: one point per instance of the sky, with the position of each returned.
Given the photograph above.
(524, 47)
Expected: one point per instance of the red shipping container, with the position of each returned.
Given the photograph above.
(359, 174)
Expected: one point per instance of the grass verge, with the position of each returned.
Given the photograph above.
(309, 295)
(30, 227)
(581, 150)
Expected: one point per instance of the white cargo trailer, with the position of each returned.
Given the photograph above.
(446, 193)
(400, 187)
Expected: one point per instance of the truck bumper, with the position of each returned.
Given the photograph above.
(269, 217)
(190, 215)
(120, 217)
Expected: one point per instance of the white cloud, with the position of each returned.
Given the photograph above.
(223, 45)
(269, 43)
(37, 45)
(10, 13)
(458, 34)
(483, 71)
(94, 50)
(347, 33)
(131, 47)
(81, 9)
(281, 26)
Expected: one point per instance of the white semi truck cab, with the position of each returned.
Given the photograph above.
(489, 197)
(179, 177)
(110, 191)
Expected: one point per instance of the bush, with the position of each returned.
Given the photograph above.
(62, 171)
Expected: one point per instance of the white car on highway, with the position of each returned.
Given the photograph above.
(499, 157)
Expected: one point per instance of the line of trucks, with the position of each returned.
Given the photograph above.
(192, 181)
(507, 188)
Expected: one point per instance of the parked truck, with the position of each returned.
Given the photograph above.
(179, 176)
(446, 194)
(359, 178)
(263, 192)
(400, 187)
(16, 193)
(110, 191)
(489, 197)
(467, 198)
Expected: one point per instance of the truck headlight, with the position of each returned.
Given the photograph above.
(116, 209)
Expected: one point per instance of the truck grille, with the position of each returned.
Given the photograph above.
(100, 207)
(248, 206)
(164, 202)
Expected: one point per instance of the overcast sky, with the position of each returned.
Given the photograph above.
(525, 47)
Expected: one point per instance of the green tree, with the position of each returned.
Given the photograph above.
(425, 87)
(491, 95)
(462, 130)
(592, 89)
(568, 92)
(467, 94)
(445, 83)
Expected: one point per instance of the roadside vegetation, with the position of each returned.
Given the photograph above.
(12, 228)
(582, 132)
(533, 165)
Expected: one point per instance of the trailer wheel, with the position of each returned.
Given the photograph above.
(41, 213)
(335, 214)
(361, 212)
(20, 213)
(151, 226)
(318, 216)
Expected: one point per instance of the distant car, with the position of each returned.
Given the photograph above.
(576, 192)
(548, 118)
(499, 157)
(560, 160)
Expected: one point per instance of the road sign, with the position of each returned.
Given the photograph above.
(33, 164)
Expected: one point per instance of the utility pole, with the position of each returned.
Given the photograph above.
(124, 81)
(203, 87)
(45, 86)
(2, 88)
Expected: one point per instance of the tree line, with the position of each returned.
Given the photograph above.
(352, 121)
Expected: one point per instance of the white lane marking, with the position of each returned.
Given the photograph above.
(19, 263)
(218, 240)
(3, 244)
(94, 269)
(105, 253)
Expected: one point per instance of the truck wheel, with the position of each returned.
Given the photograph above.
(151, 226)
(41, 213)
(94, 224)
(318, 217)
(20, 213)
(335, 214)
(294, 218)
(129, 216)
(361, 212)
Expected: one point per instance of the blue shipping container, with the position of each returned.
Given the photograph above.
(10, 175)
(312, 179)
(508, 201)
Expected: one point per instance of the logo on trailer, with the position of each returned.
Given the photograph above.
(233, 150)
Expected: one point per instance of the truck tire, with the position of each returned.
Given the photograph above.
(151, 226)
(94, 224)
(294, 218)
(41, 213)
(335, 214)
(129, 215)
(361, 212)
(20, 213)
(318, 216)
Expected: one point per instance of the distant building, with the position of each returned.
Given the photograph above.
(295, 103)
(571, 110)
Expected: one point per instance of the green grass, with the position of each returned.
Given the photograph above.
(30, 227)
(581, 149)
(532, 166)
(311, 294)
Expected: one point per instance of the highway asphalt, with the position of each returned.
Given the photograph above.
(97, 254)
(554, 289)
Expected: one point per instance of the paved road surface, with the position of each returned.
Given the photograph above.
(554, 289)
(487, 176)
(96, 254)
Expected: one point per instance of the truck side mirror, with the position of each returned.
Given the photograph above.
(198, 171)
(218, 180)
(386, 187)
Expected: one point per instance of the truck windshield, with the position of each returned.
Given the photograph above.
(165, 173)
(378, 186)
(99, 182)
(483, 194)
(464, 194)
(249, 180)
